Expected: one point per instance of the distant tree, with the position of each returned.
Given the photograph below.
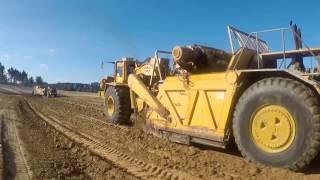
(39, 80)
(15, 75)
(19, 77)
(31, 80)
(3, 77)
(23, 77)
(11, 73)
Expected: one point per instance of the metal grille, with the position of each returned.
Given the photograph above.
(250, 41)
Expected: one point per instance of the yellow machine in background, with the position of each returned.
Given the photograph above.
(208, 96)
(103, 84)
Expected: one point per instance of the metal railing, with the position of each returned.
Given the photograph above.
(252, 41)
(157, 63)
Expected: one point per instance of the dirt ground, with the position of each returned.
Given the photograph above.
(67, 138)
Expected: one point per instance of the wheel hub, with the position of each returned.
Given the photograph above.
(110, 105)
(272, 128)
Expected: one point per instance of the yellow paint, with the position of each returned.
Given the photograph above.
(120, 70)
(137, 86)
(203, 103)
(101, 93)
(123, 69)
(272, 128)
(200, 106)
(110, 105)
(179, 99)
(140, 104)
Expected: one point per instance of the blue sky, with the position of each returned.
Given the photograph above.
(66, 40)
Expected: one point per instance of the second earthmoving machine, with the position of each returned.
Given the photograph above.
(268, 101)
(47, 91)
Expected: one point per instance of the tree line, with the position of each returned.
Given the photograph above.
(93, 87)
(15, 76)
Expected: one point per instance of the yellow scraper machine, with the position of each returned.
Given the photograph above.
(267, 101)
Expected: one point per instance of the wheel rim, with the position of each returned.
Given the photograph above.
(110, 105)
(272, 128)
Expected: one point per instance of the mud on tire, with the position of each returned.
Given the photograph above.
(300, 102)
(121, 105)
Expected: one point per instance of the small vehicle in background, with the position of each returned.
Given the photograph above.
(44, 91)
(52, 92)
(39, 91)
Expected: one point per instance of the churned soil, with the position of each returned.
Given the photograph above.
(50, 154)
(47, 154)
(86, 114)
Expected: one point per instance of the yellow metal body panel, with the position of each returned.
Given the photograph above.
(137, 86)
(140, 104)
(122, 71)
(101, 93)
(199, 106)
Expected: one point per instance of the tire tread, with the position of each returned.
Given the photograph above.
(122, 98)
(311, 102)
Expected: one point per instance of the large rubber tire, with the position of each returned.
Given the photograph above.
(300, 101)
(121, 105)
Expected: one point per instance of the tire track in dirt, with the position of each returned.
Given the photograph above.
(96, 102)
(204, 162)
(14, 162)
(118, 136)
(81, 105)
(93, 124)
(136, 167)
(54, 156)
